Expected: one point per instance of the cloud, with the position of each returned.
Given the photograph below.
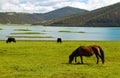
(94, 4)
(41, 6)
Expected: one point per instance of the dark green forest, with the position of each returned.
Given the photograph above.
(103, 17)
(19, 18)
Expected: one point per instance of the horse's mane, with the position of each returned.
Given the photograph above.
(75, 52)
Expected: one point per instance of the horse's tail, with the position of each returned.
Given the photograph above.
(102, 55)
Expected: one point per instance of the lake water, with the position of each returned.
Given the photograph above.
(90, 33)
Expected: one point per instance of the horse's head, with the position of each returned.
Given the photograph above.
(71, 59)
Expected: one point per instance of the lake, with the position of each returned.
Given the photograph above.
(66, 33)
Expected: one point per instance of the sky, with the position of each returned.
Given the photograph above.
(43, 6)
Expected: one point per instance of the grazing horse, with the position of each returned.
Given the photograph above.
(59, 40)
(10, 39)
(87, 51)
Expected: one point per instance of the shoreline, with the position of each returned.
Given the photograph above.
(15, 24)
(52, 25)
(72, 40)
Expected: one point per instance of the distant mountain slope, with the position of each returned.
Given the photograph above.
(26, 18)
(62, 12)
(103, 17)
(19, 18)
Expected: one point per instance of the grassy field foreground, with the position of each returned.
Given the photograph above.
(48, 59)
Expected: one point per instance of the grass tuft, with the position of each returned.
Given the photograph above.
(64, 31)
(27, 32)
(31, 36)
(1, 29)
(22, 30)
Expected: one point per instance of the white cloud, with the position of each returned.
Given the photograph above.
(41, 6)
(94, 4)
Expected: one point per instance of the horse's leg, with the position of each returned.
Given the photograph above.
(81, 59)
(100, 57)
(97, 58)
(75, 59)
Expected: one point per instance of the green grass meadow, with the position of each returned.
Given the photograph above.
(49, 59)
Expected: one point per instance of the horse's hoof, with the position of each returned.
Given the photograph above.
(78, 63)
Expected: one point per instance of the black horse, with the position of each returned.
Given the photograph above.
(87, 51)
(10, 39)
(59, 40)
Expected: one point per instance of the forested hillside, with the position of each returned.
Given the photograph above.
(19, 18)
(103, 17)
(26, 18)
(63, 12)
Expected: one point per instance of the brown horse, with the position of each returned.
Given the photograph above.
(87, 51)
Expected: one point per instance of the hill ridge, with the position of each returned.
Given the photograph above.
(103, 17)
(27, 18)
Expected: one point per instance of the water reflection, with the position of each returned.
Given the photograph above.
(90, 33)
